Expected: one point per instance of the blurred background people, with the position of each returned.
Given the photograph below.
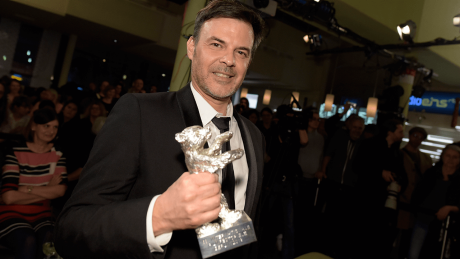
(34, 173)
(416, 164)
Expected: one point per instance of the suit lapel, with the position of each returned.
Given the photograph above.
(252, 164)
(188, 107)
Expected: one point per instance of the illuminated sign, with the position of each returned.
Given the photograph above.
(434, 102)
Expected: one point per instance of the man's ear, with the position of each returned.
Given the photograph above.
(190, 47)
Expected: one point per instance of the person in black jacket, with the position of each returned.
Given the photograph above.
(378, 163)
(135, 198)
(436, 196)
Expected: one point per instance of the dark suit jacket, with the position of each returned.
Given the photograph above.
(134, 158)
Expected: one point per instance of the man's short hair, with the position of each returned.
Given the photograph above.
(391, 125)
(19, 101)
(419, 130)
(231, 9)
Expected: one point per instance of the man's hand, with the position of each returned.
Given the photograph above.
(321, 175)
(387, 176)
(191, 201)
(55, 180)
(443, 212)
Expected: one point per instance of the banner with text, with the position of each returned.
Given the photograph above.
(434, 102)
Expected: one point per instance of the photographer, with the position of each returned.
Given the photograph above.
(338, 190)
(379, 168)
(281, 174)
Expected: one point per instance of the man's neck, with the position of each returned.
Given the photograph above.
(17, 116)
(411, 149)
(220, 105)
(390, 141)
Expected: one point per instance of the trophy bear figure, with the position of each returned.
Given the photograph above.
(198, 159)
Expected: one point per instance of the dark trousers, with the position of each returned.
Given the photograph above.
(26, 243)
(340, 208)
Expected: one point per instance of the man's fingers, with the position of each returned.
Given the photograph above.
(210, 203)
(205, 178)
(209, 190)
(210, 215)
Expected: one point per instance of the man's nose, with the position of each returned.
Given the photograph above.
(228, 58)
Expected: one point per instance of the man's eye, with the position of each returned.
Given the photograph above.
(216, 44)
(242, 53)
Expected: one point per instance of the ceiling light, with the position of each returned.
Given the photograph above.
(124, 77)
(329, 103)
(244, 92)
(267, 97)
(163, 75)
(115, 41)
(372, 107)
(456, 20)
(4, 58)
(103, 60)
(406, 31)
(28, 53)
(306, 38)
(29, 60)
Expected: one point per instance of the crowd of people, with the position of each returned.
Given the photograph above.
(46, 137)
(345, 189)
(351, 191)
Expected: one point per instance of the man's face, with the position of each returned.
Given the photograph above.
(313, 123)
(221, 57)
(138, 84)
(245, 103)
(22, 110)
(356, 129)
(415, 139)
(398, 134)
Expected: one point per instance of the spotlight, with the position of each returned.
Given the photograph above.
(406, 31)
(103, 60)
(456, 20)
(315, 40)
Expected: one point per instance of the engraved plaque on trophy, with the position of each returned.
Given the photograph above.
(233, 228)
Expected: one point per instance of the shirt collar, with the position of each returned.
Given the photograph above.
(207, 112)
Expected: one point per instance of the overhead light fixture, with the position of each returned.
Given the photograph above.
(456, 20)
(124, 77)
(267, 97)
(115, 41)
(163, 75)
(315, 39)
(4, 57)
(28, 53)
(406, 31)
(372, 107)
(29, 60)
(244, 92)
(103, 60)
(295, 95)
(329, 102)
(440, 139)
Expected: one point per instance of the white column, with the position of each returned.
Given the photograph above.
(9, 32)
(46, 59)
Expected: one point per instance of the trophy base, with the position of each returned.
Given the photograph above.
(240, 234)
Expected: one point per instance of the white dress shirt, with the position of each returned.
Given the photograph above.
(240, 166)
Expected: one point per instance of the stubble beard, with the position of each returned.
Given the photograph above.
(201, 81)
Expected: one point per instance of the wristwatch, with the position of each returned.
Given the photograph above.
(29, 189)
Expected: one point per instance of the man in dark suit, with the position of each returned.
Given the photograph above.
(134, 199)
